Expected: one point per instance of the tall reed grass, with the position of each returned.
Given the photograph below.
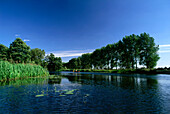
(13, 71)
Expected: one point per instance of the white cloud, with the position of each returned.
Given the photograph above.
(166, 45)
(70, 53)
(26, 40)
(164, 51)
(164, 48)
(16, 35)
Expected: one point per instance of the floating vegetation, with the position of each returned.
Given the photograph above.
(62, 95)
(41, 95)
(61, 92)
(69, 92)
(87, 95)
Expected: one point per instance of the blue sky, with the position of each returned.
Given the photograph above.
(69, 28)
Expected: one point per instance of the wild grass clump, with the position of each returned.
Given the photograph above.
(13, 71)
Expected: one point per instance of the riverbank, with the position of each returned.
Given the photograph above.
(9, 71)
(123, 71)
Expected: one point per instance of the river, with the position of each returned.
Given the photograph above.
(85, 92)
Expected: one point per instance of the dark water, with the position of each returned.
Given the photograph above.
(87, 93)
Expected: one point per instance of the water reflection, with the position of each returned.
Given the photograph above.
(118, 81)
(93, 93)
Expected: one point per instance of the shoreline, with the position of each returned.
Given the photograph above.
(123, 71)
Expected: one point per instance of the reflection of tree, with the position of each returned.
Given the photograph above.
(25, 81)
(54, 80)
(138, 93)
(126, 82)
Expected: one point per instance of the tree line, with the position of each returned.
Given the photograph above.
(20, 52)
(127, 53)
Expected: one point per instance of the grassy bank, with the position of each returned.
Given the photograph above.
(125, 71)
(12, 71)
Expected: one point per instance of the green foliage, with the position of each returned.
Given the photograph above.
(12, 71)
(19, 51)
(125, 54)
(37, 55)
(54, 63)
(86, 61)
(3, 52)
(73, 63)
(148, 51)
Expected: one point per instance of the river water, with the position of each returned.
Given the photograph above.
(70, 92)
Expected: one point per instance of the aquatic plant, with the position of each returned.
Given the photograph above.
(13, 71)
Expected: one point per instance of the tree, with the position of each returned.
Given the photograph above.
(86, 61)
(19, 51)
(37, 55)
(73, 63)
(148, 51)
(79, 63)
(103, 58)
(3, 52)
(96, 59)
(114, 55)
(126, 53)
(58, 63)
(120, 53)
(54, 63)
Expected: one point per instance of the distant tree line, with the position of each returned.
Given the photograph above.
(127, 53)
(20, 52)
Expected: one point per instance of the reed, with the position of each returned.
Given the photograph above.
(12, 71)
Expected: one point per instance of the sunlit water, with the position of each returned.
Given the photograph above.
(87, 93)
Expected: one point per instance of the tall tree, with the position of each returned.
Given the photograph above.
(73, 63)
(79, 63)
(58, 63)
(109, 55)
(3, 52)
(19, 51)
(148, 51)
(120, 52)
(54, 63)
(86, 61)
(96, 59)
(115, 55)
(37, 55)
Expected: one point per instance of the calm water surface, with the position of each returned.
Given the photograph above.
(87, 93)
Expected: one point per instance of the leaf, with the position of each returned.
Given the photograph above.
(87, 95)
(65, 90)
(62, 95)
(70, 92)
(41, 95)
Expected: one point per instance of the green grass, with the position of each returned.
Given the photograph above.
(12, 71)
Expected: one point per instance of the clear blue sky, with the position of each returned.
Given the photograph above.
(69, 28)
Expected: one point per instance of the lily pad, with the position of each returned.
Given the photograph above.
(62, 95)
(87, 95)
(70, 92)
(41, 95)
(65, 90)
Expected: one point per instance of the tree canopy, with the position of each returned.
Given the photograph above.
(127, 53)
(37, 55)
(19, 51)
(3, 52)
